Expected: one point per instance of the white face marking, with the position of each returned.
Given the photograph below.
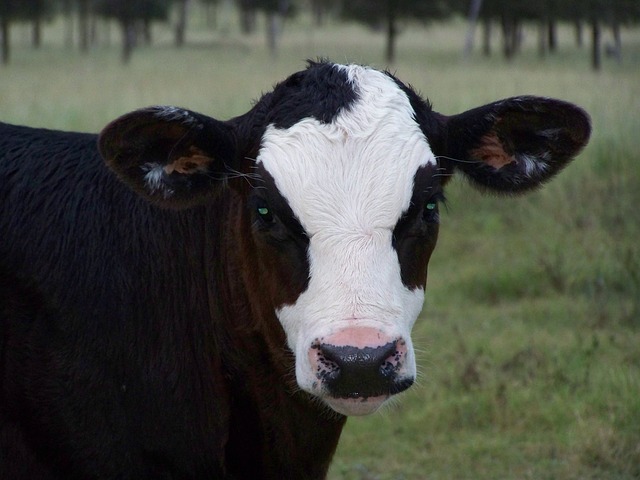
(348, 182)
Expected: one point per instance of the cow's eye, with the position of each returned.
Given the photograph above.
(430, 210)
(265, 214)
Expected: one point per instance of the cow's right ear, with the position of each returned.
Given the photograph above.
(173, 157)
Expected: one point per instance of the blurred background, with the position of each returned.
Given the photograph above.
(134, 19)
(529, 342)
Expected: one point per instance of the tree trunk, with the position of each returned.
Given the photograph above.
(474, 12)
(552, 30)
(617, 41)
(247, 18)
(390, 53)
(93, 30)
(84, 25)
(486, 37)
(146, 31)
(507, 47)
(106, 33)
(128, 39)
(318, 10)
(579, 34)
(181, 25)
(67, 9)
(596, 50)
(211, 14)
(542, 38)
(37, 32)
(273, 32)
(510, 33)
(5, 27)
(518, 36)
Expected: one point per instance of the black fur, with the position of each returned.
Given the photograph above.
(117, 357)
(321, 91)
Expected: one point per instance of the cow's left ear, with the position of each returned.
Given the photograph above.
(516, 144)
(173, 157)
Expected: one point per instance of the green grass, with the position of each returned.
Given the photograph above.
(529, 343)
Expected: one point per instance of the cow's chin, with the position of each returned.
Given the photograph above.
(356, 406)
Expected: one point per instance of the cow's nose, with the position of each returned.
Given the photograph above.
(355, 371)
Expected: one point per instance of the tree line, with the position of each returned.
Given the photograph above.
(134, 18)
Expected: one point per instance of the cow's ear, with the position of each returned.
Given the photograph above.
(516, 144)
(171, 156)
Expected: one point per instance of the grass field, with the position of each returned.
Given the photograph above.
(530, 337)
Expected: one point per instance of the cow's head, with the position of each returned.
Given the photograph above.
(347, 167)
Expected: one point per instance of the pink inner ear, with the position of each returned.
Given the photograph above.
(195, 161)
(492, 152)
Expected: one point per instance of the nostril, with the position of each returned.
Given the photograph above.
(353, 372)
(346, 356)
(327, 364)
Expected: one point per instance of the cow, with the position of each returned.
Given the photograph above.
(189, 298)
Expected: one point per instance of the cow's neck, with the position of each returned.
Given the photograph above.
(277, 435)
(276, 431)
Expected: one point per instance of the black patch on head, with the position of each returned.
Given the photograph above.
(416, 233)
(321, 91)
(281, 239)
(271, 198)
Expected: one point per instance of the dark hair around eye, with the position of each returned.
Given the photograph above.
(265, 214)
(430, 211)
(261, 211)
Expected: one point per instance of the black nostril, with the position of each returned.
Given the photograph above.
(352, 372)
(358, 359)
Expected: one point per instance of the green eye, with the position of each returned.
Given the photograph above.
(430, 212)
(265, 214)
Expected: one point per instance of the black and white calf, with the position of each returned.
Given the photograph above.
(257, 281)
